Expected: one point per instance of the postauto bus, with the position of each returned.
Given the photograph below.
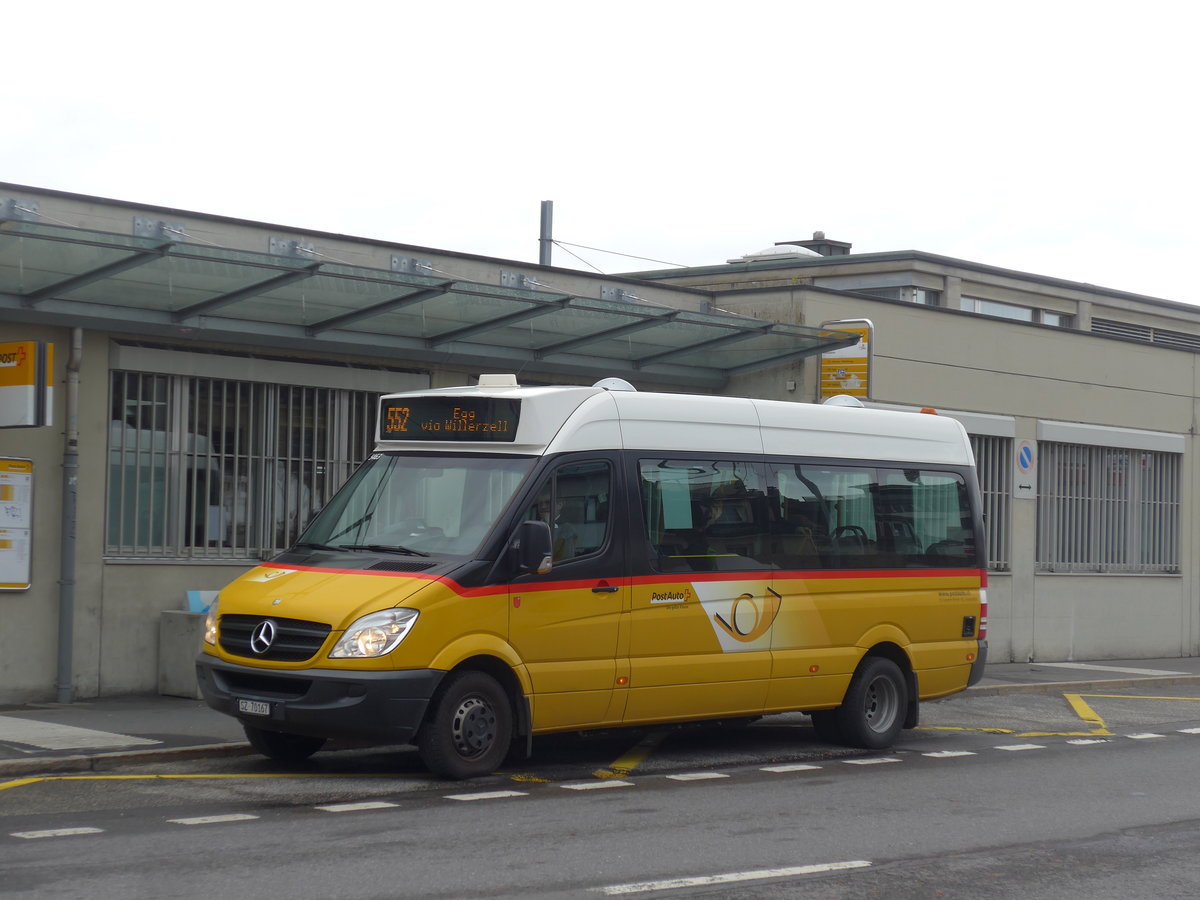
(513, 561)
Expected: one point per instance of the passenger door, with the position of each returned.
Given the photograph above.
(700, 628)
(567, 624)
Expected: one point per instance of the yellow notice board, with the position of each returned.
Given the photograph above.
(847, 371)
(16, 522)
(26, 383)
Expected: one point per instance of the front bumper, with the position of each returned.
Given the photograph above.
(384, 707)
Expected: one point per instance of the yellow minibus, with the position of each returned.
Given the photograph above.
(513, 561)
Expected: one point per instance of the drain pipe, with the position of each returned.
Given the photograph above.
(66, 566)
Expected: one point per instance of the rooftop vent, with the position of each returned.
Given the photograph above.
(820, 245)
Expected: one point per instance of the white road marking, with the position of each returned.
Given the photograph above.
(790, 767)
(49, 736)
(871, 762)
(643, 887)
(1189, 730)
(1144, 736)
(1091, 667)
(697, 776)
(213, 820)
(596, 785)
(1016, 748)
(56, 832)
(487, 795)
(947, 754)
(1084, 741)
(357, 807)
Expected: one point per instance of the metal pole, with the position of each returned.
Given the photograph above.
(546, 239)
(66, 567)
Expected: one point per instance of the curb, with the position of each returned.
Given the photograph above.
(1059, 687)
(99, 762)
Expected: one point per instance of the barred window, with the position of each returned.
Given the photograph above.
(993, 465)
(1107, 509)
(210, 468)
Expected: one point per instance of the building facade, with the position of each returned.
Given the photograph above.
(214, 382)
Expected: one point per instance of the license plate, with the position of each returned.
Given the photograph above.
(254, 707)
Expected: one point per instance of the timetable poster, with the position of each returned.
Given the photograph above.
(16, 523)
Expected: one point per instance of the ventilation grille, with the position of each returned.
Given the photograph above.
(389, 566)
(1147, 335)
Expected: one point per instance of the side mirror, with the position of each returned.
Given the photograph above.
(533, 547)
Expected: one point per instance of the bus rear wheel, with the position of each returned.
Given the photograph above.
(469, 730)
(872, 712)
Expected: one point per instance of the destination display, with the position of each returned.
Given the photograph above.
(448, 419)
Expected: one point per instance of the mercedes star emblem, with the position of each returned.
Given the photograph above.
(263, 636)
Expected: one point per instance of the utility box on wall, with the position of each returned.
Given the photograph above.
(179, 636)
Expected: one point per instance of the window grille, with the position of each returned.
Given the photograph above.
(1107, 510)
(211, 468)
(993, 466)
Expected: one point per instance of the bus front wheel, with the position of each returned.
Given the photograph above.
(872, 712)
(469, 730)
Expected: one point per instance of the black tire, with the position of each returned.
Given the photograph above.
(872, 712)
(282, 747)
(469, 729)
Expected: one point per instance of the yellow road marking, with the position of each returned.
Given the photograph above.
(964, 728)
(634, 758)
(1085, 712)
(42, 779)
(1138, 697)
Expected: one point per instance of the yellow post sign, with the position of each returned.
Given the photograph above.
(847, 371)
(26, 383)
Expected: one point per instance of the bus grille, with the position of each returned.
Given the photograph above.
(294, 639)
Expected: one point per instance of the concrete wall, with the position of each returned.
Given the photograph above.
(29, 619)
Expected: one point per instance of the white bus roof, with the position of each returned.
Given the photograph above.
(568, 418)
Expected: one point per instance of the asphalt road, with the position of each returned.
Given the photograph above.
(1067, 795)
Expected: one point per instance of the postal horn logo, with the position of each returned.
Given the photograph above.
(750, 616)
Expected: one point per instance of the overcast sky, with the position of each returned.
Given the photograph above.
(1051, 137)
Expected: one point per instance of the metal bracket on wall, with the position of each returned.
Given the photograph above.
(14, 210)
(608, 292)
(410, 265)
(158, 229)
(518, 280)
(288, 247)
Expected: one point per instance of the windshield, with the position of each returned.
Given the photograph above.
(419, 504)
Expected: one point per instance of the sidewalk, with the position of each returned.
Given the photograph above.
(101, 734)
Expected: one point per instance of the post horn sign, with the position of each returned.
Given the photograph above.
(847, 371)
(26, 383)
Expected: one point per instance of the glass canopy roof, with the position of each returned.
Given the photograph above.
(73, 276)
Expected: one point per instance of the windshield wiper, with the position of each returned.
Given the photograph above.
(315, 546)
(384, 548)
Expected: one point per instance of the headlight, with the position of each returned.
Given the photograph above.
(374, 635)
(210, 624)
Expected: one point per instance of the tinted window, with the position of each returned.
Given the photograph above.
(720, 515)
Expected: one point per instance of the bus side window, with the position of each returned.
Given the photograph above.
(575, 504)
